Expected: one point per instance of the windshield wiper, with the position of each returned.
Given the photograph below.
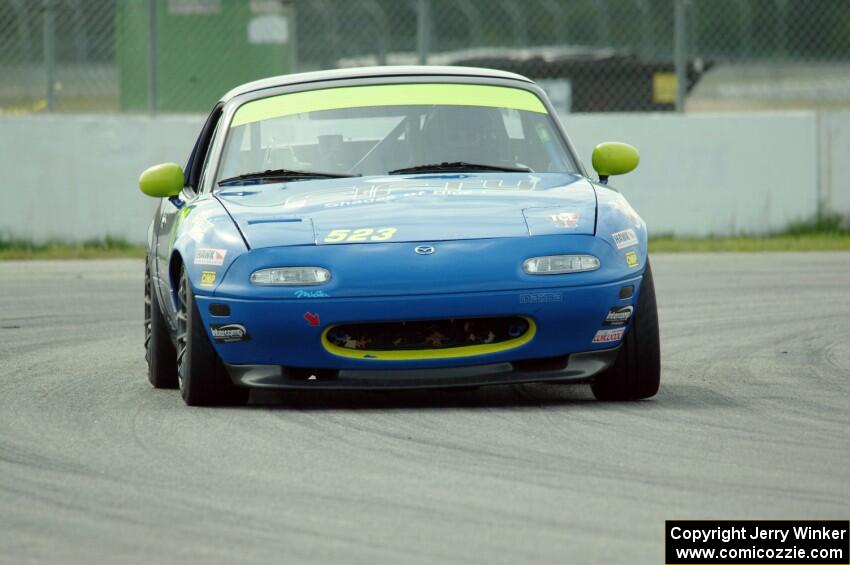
(459, 166)
(284, 174)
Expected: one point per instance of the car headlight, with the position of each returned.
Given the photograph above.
(560, 264)
(293, 276)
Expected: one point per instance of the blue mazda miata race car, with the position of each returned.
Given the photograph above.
(394, 227)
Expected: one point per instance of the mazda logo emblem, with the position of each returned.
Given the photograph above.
(424, 250)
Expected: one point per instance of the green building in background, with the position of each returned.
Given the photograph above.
(200, 49)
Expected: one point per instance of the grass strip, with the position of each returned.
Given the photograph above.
(813, 242)
(107, 248)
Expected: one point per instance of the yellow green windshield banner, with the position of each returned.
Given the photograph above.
(387, 95)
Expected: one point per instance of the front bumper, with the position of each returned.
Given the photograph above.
(388, 282)
(579, 367)
(288, 332)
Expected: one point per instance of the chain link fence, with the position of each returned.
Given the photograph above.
(770, 54)
(590, 55)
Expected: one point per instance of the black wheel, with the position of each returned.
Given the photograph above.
(159, 351)
(637, 371)
(202, 376)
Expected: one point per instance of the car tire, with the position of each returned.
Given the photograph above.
(159, 351)
(636, 373)
(202, 377)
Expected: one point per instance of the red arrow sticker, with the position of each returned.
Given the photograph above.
(312, 319)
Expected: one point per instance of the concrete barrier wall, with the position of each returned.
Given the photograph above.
(73, 177)
(717, 174)
(834, 153)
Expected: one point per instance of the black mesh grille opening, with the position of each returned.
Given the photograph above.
(427, 334)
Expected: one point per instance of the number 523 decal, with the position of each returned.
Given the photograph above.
(362, 234)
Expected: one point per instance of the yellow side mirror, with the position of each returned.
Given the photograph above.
(614, 158)
(162, 181)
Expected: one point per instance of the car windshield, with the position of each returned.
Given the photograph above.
(379, 129)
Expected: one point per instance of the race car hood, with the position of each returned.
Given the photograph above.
(432, 207)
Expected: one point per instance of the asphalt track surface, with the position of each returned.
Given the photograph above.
(753, 421)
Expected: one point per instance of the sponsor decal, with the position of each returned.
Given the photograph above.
(619, 203)
(196, 233)
(392, 188)
(207, 278)
(312, 319)
(618, 315)
(625, 238)
(540, 297)
(229, 333)
(213, 257)
(311, 294)
(200, 226)
(607, 336)
(631, 259)
(567, 220)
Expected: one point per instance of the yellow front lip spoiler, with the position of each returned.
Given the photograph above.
(430, 354)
